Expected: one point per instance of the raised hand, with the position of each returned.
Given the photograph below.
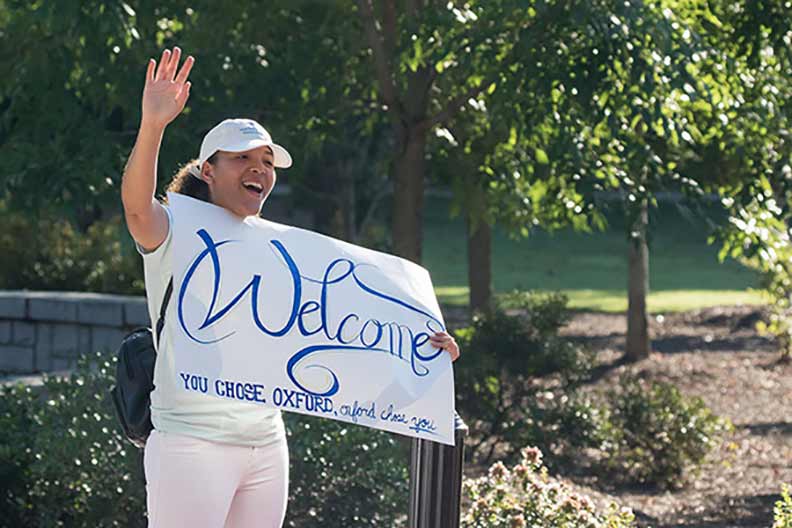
(165, 92)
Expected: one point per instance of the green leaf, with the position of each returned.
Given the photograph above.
(712, 19)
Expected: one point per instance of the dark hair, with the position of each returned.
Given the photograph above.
(186, 182)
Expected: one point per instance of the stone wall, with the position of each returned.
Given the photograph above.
(47, 331)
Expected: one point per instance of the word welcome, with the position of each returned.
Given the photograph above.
(274, 315)
(310, 316)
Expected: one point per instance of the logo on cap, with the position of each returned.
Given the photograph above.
(251, 130)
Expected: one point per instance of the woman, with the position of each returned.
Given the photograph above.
(209, 462)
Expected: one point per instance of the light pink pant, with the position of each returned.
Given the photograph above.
(195, 483)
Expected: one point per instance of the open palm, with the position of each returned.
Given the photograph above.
(165, 93)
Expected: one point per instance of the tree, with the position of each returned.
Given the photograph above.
(341, 178)
(430, 59)
(583, 102)
(747, 141)
(70, 95)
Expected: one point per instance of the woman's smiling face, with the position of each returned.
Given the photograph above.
(240, 181)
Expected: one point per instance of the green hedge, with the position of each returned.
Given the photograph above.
(62, 256)
(64, 462)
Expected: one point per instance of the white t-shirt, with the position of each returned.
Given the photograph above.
(175, 410)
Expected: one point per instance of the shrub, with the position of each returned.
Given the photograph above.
(497, 385)
(65, 462)
(518, 385)
(345, 475)
(654, 434)
(546, 312)
(100, 258)
(15, 453)
(574, 421)
(81, 470)
(526, 496)
(782, 512)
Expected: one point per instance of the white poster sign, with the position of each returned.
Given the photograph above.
(288, 318)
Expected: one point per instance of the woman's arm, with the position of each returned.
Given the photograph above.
(164, 97)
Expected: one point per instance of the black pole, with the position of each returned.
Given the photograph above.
(436, 480)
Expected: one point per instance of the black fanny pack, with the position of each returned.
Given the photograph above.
(135, 377)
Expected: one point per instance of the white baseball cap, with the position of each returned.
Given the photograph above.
(238, 135)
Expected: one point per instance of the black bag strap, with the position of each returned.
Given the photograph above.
(163, 309)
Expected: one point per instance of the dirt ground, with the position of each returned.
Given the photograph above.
(715, 354)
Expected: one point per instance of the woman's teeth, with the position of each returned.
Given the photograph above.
(254, 187)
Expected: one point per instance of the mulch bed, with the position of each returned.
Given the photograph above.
(716, 354)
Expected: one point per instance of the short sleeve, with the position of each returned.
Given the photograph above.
(162, 249)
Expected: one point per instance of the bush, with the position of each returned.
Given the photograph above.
(518, 385)
(782, 512)
(78, 470)
(64, 462)
(526, 496)
(575, 421)
(15, 453)
(345, 475)
(654, 434)
(100, 258)
(497, 385)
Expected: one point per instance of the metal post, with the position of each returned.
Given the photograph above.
(436, 480)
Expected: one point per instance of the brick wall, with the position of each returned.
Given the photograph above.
(47, 331)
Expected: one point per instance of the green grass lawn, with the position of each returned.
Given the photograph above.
(591, 268)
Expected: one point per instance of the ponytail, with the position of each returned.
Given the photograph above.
(188, 181)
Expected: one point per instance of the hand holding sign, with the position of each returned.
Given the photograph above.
(447, 342)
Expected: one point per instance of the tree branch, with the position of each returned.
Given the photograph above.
(453, 106)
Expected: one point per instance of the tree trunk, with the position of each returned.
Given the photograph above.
(408, 193)
(638, 345)
(348, 203)
(479, 248)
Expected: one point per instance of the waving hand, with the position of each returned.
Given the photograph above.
(164, 96)
(165, 92)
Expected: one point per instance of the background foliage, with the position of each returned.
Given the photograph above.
(535, 114)
(523, 384)
(65, 462)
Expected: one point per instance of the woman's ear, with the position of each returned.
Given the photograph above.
(207, 175)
